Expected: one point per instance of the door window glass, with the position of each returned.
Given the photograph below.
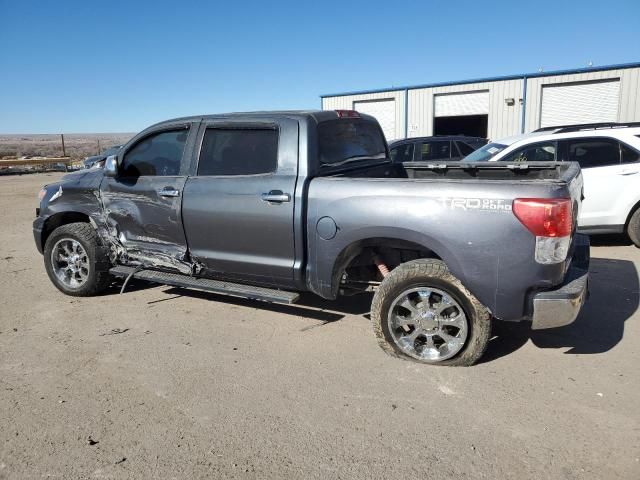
(156, 155)
(238, 151)
(402, 153)
(594, 152)
(464, 148)
(536, 152)
(629, 155)
(438, 150)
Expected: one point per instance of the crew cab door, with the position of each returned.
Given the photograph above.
(238, 208)
(142, 204)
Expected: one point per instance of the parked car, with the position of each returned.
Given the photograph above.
(266, 205)
(97, 159)
(440, 148)
(609, 154)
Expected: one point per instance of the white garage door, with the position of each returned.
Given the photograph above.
(458, 104)
(384, 111)
(580, 103)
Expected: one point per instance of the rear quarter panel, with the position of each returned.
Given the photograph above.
(469, 224)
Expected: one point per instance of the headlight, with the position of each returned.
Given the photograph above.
(42, 193)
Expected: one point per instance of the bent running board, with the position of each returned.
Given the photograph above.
(208, 285)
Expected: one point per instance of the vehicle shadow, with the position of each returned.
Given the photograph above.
(610, 240)
(308, 306)
(613, 299)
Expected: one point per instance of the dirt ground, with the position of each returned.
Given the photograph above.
(199, 385)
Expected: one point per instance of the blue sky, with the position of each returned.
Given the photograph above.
(88, 66)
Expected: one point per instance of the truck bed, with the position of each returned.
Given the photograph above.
(462, 212)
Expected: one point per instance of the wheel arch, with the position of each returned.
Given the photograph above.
(59, 219)
(383, 245)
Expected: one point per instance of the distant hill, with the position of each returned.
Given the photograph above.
(77, 145)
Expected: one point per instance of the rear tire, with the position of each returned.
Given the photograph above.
(633, 228)
(422, 313)
(76, 262)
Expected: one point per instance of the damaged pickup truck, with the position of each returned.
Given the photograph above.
(267, 205)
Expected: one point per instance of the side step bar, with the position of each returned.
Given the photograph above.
(207, 285)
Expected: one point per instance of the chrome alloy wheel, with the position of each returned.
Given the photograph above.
(428, 324)
(70, 262)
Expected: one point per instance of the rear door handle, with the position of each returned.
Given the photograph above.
(169, 192)
(276, 196)
(629, 172)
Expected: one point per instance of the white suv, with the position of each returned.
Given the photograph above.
(609, 154)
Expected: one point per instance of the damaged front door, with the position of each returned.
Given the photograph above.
(143, 203)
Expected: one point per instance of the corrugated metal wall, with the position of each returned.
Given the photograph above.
(504, 120)
(628, 109)
(346, 103)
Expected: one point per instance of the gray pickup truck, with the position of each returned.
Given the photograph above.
(266, 205)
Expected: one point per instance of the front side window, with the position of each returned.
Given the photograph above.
(159, 154)
(402, 153)
(438, 150)
(536, 152)
(593, 152)
(239, 151)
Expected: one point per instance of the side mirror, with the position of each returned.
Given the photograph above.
(111, 166)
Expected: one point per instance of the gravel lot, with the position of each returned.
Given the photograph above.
(199, 385)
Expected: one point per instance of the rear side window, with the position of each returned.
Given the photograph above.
(158, 154)
(464, 148)
(345, 140)
(238, 151)
(629, 155)
(594, 152)
(536, 152)
(439, 150)
(402, 153)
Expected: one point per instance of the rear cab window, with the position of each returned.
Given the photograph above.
(347, 140)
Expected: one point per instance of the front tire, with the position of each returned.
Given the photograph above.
(633, 228)
(423, 313)
(75, 261)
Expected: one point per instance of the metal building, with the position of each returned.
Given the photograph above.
(501, 106)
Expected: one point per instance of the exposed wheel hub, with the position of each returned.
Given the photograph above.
(428, 321)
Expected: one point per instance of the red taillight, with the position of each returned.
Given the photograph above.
(347, 114)
(545, 217)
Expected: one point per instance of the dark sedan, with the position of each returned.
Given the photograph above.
(93, 160)
(423, 149)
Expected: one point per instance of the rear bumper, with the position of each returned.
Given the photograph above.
(559, 307)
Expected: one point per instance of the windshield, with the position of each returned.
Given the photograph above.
(345, 140)
(485, 153)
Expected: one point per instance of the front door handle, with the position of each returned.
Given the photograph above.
(276, 196)
(169, 192)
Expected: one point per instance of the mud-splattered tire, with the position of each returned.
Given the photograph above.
(633, 228)
(75, 261)
(467, 341)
